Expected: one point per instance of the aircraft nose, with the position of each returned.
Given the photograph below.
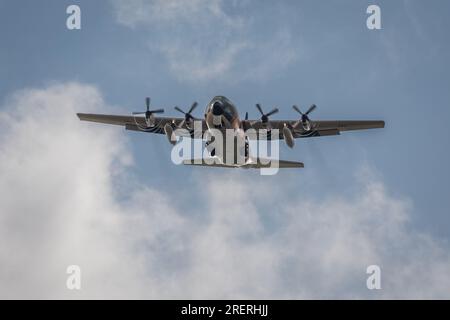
(217, 108)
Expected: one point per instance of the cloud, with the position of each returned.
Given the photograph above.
(68, 197)
(205, 40)
(156, 12)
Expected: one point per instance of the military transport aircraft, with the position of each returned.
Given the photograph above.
(220, 115)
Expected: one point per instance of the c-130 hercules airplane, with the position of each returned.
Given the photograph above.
(222, 116)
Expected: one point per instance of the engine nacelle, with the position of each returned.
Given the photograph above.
(150, 121)
(288, 137)
(306, 124)
(168, 129)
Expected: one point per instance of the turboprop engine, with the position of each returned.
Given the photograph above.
(188, 117)
(149, 115)
(304, 120)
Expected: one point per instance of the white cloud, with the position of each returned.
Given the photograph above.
(204, 40)
(157, 12)
(59, 206)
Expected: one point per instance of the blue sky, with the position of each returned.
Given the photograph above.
(292, 52)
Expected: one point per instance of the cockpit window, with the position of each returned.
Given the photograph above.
(228, 111)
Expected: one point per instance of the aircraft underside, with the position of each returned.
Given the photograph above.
(221, 114)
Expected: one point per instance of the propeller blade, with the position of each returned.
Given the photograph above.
(194, 105)
(258, 106)
(157, 111)
(147, 102)
(136, 113)
(246, 116)
(179, 110)
(297, 109)
(311, 109)
(272, 112)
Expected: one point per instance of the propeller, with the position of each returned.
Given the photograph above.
(188, 117)
(148, 113)
(304, 120)
(265, 116)
(245, 123)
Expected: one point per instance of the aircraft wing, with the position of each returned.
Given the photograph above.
(138, 123)
(318, 128)
(322, 127)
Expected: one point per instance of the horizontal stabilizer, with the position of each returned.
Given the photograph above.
(252, 163)
(273, 163)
